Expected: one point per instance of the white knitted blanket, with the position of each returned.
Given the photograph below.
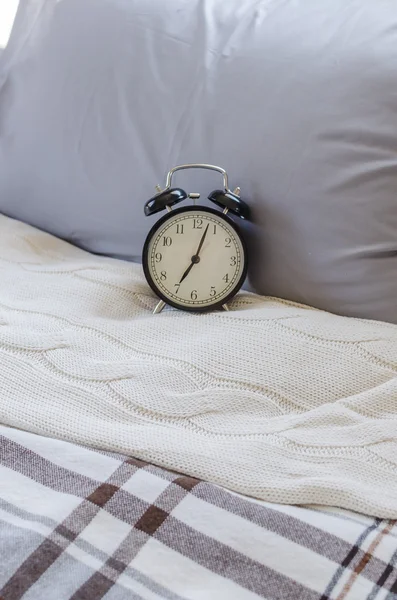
(273, 400)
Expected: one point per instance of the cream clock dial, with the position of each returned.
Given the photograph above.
(195, 259)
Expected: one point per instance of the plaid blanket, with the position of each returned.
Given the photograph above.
(77, 523)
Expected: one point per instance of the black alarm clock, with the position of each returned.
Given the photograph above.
(194, 257)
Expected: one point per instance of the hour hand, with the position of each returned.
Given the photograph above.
(186, 273)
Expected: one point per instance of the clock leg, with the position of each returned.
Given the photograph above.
(225, 307)
(159, 307)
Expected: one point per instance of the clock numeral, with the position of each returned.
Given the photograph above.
(179, 227)
(193, 295)
(158, 256)
(214, 229)
(233, 261)
(212, 292)
(177, 286)
(163, 275)
(167, 241)
(197, 223)
(228, 241)
(226, 278)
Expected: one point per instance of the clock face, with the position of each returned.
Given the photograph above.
(195, 259)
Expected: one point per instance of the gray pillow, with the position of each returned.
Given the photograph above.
(296, 99)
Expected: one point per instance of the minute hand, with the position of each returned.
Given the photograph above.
(195, 258)
(202, 241)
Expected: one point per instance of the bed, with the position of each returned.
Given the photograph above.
(121, 486)
(83, 524)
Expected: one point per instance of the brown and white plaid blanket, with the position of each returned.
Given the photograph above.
(77, 523)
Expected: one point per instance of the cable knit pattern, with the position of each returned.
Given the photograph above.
(273, 399)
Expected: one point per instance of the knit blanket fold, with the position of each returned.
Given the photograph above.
(273, 400)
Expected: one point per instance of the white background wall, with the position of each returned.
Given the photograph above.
(7, 13)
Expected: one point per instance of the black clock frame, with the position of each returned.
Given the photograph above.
(145, 259)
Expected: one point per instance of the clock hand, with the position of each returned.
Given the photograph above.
(186, 273)
(196, 257)
(202, 241)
